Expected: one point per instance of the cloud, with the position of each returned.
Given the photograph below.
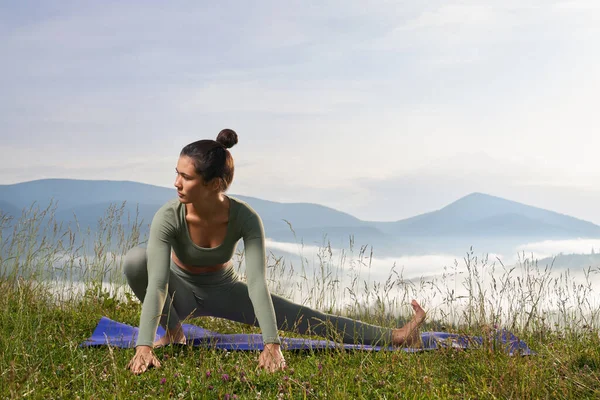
(318, 98)
(452, 15)
(551, 248)
(377, 268)
(337, 103)
(576, 5)
(472, 39)
(442, 283)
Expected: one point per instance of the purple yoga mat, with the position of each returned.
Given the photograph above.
(109, 332)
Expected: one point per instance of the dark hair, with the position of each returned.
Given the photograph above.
(212, 159)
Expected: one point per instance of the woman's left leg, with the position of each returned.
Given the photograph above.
(233, 302)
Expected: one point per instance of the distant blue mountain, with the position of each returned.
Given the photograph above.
(480, 214)
(474, 217)
(72, 193)
(9, 209)
(88, 201)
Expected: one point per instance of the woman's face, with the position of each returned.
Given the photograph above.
(190, 186)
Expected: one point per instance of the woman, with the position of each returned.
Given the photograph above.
(186, 271)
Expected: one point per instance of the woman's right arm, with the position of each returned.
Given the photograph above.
(162, 232)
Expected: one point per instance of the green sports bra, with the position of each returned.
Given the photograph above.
(169, 231)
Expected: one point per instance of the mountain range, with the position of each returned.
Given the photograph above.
(475, 219)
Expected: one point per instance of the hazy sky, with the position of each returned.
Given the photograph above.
(383, 109)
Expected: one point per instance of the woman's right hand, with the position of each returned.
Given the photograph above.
(143, 359)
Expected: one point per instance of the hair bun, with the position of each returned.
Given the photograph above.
(228, 138)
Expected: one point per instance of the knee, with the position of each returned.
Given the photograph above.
(134, 264)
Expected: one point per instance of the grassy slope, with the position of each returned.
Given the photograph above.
(40, 357)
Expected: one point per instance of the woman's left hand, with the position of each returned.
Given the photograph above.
(271, 358)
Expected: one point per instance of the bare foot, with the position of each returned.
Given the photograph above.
(409, 335)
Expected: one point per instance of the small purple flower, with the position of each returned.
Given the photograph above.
(210, 387)
(286, 378)
(176, 375)
(227, 397)
(320, 367)
(208, 373)
(163, 381)
(225, 377)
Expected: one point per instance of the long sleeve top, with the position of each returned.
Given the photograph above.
(169, 232)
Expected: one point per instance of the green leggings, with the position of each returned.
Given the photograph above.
(222, 294)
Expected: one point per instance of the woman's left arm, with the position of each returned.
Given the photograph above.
(254, 248)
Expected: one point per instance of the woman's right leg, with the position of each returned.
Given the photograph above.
(181, 301)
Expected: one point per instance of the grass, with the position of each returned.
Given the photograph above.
(42, 325)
